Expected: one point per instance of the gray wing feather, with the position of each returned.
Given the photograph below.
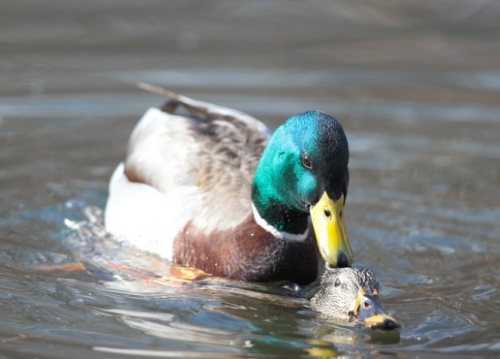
(213, 148)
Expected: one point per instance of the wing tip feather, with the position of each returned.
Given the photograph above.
(158, 90)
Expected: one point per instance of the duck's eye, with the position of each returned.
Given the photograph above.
(337, 282)
(306, 162)
(340, 214)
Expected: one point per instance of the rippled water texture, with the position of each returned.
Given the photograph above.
(416, 86)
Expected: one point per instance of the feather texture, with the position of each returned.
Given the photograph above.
(196, 168)
(184, 192)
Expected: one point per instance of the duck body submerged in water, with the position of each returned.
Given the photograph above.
(213, 190)
(346, 295)
(351, 295)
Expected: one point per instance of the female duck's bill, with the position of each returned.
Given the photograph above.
(350, 295)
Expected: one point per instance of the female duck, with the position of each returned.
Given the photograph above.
(350, 295)
(211, 189)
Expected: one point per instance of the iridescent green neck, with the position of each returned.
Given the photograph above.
(282, 187)
(274, 209)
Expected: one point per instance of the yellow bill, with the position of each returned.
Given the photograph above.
(331, 232)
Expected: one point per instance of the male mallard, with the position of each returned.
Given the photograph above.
(349, 294)
(212, 189)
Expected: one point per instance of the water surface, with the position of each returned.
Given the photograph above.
(416, 86)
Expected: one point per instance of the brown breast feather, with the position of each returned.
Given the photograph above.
(247, 252)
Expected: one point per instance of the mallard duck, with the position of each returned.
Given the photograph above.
(211, 188)
(351, 294)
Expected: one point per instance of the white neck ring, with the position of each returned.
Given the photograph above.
(277, 234)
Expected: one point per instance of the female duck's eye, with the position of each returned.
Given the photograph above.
(306, 162)
(337, 282)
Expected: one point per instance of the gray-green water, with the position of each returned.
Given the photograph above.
(416, 86)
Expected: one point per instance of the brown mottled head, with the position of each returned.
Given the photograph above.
(351, 294)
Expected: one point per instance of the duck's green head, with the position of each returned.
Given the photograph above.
(303, 171)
